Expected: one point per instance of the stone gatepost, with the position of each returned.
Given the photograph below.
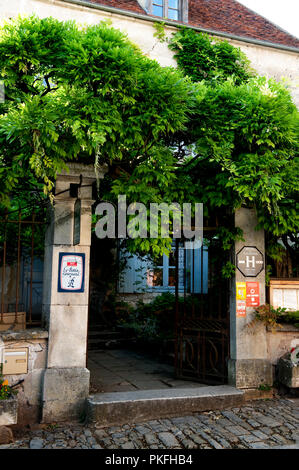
(249, 365)
(66, 294)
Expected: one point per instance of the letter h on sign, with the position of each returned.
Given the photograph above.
(250, 260)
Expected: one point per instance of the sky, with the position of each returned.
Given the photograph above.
(284, 13)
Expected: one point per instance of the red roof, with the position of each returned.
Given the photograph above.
(130, 5)
(230, 16)
(227, 16)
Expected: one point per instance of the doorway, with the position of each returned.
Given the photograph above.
(198, 352)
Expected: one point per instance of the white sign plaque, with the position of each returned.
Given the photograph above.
(71, 272)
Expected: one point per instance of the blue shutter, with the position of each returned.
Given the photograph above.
(197, 269)
(133, 278)
(181, 268)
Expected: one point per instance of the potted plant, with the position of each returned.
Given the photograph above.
(273, 317)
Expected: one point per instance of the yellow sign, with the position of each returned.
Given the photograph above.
(241, 290)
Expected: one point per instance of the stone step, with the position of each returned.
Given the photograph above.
(111, 409)
(96, 343)
(97, 327)
(104, 334)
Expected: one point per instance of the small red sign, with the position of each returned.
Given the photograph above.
(252, 294)
(241, 308)
(71, 263)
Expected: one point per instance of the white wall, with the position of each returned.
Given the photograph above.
(267, 61)
(275, 63)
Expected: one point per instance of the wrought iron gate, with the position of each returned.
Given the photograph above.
(21, 267)
(202, 315)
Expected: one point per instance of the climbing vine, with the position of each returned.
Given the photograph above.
(205, 57)
(160, 33)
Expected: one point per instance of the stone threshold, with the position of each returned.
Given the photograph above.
(112, 409)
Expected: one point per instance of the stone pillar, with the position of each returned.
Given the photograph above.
(249, 365)
(65, 314)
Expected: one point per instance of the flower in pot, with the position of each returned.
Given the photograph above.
(5, 390)
(8, 403)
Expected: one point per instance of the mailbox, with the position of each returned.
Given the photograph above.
(15, 361)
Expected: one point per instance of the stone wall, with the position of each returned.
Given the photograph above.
(266, 346)
(281, 341)
(30, 391)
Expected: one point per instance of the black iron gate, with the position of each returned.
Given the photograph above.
(202, 314)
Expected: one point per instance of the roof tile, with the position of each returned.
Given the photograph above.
(227, 16)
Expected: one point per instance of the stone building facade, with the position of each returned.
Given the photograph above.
(59, 383)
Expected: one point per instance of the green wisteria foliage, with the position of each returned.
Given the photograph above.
(74, 93)
(245, 132)
(210, 131)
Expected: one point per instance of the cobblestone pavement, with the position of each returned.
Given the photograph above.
(262, 424)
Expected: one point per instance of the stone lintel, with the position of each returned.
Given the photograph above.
(87, 171)
(80, 174)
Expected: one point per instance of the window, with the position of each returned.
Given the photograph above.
(167, 9)
(162, 275)
(141, 275)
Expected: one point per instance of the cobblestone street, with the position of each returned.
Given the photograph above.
(261, 424)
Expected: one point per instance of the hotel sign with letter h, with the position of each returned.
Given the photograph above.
(250, 261)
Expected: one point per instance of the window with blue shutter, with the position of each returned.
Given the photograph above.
(142, 275)
(161, 275)
(133, 278)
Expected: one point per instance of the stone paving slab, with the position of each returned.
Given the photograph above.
(139, 371)
(206, 430)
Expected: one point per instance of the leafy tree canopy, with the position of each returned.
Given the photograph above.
(212, 132)
(82, 94)
(245, 132)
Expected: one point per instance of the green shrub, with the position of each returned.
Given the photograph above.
(150, 322)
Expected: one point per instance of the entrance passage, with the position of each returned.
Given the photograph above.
(127, 351)
(124, 370)
(202, 316)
